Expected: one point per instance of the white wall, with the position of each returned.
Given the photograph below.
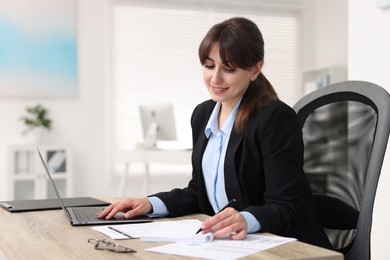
(82, 121)
(331, 31)
(369, 60)
(324, 33)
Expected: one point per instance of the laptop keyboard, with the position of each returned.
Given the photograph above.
(86, 214)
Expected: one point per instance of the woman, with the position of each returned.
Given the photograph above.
(247, 146)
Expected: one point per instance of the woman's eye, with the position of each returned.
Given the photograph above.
(230, 70)
(209, 66)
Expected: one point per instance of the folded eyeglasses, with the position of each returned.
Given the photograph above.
(104, 244)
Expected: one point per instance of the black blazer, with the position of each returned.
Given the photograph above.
(263, 172)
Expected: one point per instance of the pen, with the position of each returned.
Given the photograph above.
(230, 203)
(120, 232)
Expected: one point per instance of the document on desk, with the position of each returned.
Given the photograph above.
(225, 249)
(159, 231)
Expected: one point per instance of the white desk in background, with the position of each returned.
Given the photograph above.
(148, 156)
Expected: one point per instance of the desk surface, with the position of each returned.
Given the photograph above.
(48, 235)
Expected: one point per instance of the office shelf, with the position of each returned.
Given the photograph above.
(314, 78)
(28, 179)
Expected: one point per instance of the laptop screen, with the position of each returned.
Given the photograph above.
(51, 179)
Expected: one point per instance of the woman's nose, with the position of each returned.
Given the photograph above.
(216, 77)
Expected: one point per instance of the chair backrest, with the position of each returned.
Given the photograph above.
(345, 131)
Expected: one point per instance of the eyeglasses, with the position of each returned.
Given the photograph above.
(104, 244)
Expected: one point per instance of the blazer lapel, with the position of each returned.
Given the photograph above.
(197, 156)
(232, 182)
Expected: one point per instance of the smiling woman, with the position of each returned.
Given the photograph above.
(38, 48)
(247, 147)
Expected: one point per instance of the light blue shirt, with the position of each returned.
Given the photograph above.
(213, 168)
(213, 160)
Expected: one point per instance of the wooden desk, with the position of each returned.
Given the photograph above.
(48, 235)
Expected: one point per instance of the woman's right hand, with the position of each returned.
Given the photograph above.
(132, 207)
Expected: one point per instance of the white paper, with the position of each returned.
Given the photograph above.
(223, 248)
(177, 231)
(109, 232)
(161, 231)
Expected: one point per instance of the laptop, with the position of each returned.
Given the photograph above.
(14, 206)
(82, 216)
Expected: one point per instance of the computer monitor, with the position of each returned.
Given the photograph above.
(158, 123)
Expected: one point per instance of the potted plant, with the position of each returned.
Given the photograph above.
(36, 118)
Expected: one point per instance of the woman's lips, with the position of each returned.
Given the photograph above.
(218, 90)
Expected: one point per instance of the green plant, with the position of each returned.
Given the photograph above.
(37, 117)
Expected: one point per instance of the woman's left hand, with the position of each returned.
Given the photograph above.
(228, 222)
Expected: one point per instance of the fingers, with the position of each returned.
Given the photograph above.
(106, 211)
(238, 236)
(111, 210)
(120, 207)
(216, 222)
(141, 207)
(229, 222)
(131, 208)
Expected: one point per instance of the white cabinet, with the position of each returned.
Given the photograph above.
(27, 176)
(314, 78)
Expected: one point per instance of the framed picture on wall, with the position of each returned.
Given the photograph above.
(38, 56)
(383, 3)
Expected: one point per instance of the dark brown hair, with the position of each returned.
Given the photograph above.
(241, 45)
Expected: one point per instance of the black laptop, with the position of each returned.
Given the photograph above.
(81, 216)
(48, 204)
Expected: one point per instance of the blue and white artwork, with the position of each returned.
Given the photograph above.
(38, 48)
(383, 3)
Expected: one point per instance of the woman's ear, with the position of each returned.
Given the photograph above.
(256, 70)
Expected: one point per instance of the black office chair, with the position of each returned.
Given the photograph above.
(345, 131)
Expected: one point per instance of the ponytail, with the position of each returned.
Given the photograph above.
(260, 93)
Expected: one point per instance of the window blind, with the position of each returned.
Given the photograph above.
(155, 60)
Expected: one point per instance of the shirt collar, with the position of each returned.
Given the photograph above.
(212, 124)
